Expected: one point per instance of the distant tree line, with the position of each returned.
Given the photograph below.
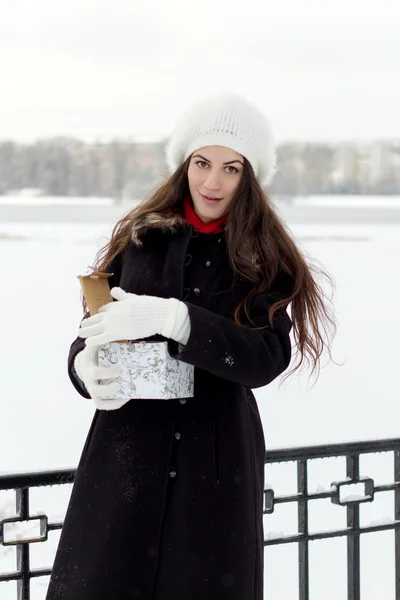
(125, 169)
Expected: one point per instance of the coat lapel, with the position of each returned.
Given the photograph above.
(160, 271)
(173, 271)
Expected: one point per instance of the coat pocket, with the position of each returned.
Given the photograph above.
(218, 451)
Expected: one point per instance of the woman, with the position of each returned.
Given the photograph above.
(168, 497)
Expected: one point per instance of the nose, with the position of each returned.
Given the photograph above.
(212, 182)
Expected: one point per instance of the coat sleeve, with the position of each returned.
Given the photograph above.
(236, 352)
(79, 343)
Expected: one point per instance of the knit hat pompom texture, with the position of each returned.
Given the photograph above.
(225, 120)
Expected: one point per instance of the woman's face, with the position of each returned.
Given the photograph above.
(210, 175)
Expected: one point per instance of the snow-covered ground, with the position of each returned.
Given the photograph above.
(339, 200)
(23, 200)
(349, 201)
(44, 421)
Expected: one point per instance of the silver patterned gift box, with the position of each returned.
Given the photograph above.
(148, 370)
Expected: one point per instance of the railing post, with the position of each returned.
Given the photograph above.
(23, 585)
(397, 517)
(353, 540)
(302, 511)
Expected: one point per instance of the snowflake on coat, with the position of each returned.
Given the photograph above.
(228, 359)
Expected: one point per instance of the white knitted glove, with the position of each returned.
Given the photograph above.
(87, 368)
(135, 317)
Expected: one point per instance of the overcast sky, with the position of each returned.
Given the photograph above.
(320, 70)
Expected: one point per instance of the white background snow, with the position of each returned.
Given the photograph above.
(44, 421)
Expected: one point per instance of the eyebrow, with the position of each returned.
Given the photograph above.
(226, 163)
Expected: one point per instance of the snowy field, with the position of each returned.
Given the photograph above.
(44, 421)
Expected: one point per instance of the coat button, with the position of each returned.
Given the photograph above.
(172, 473)
(219, 239)
(196, 291)
(182, 400)
(208, 263)
(177, 435)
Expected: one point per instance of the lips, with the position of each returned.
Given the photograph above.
(211, 198)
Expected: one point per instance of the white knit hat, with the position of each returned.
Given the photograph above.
(225, 120)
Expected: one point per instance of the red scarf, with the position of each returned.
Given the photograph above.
(214, 226)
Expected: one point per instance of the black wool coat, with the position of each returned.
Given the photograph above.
(167, 502)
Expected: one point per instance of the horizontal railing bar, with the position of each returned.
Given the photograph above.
(54, 526)
(329, 450)
(324, 495)
(42, 478)
(390, 487)
(18, 575)
(10, 576)
(297, 497)
(330, 534)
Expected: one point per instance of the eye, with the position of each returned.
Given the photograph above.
(201, 162)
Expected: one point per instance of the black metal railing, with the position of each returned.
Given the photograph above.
(24, 482)
(353, 531)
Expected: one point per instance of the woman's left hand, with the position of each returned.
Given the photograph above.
(133, 317)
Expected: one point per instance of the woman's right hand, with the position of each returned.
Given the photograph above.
(89, 371)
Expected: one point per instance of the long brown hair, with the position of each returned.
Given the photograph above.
(259, 248)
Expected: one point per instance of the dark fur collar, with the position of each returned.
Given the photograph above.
(170, 222)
